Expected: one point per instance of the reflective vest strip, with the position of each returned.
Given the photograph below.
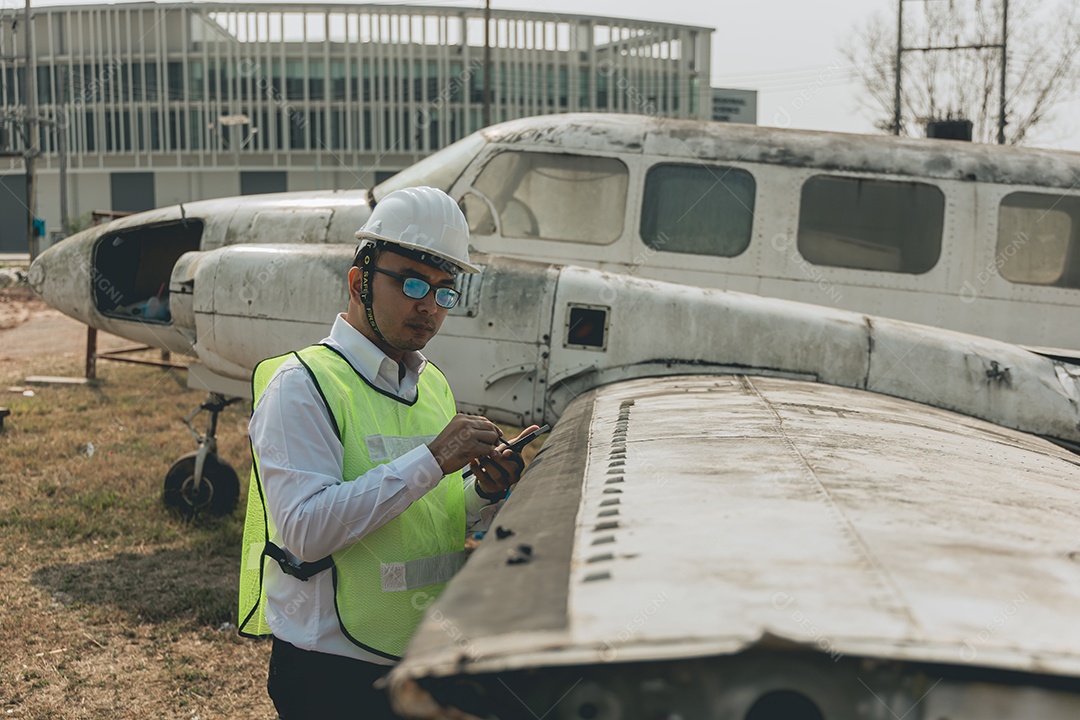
(421, 572)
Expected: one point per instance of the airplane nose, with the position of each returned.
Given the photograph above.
(36, 276)
(60, 275)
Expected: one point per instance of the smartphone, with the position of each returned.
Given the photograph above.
(526, 439)
(517, 445)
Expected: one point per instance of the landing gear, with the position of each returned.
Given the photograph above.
(201, 482)
(214, 491)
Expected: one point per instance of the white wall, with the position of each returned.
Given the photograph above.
(87, 191)
(207, 184)
(173, 186)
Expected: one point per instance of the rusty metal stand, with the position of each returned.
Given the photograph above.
(92, 356)
(91, 353)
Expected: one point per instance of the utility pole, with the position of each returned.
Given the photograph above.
(1004, 58)
(487, 62)
(236, 124)
(899, 55)
(30, 98)
(61, 121)
(1002, 46)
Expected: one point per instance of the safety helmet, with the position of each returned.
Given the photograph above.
(425, 221)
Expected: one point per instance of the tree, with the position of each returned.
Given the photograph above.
(1043, 47)
(78, 224)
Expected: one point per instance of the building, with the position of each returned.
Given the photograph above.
(163, 103)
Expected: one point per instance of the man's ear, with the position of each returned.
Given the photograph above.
(355, 281)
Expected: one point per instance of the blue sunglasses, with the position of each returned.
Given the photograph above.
(416, 289)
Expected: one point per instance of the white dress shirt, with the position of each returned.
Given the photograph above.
(313, 511)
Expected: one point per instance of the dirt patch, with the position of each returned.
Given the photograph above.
(18, 305)
(29, 328)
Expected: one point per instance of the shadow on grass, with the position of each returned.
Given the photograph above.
(165, 586)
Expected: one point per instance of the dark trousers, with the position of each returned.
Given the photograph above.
(305, 684)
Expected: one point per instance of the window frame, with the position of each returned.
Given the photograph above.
(470, 178)
(943, 225)
(1072, 247)
(674, 162)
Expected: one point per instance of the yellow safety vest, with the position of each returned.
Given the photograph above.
(384, 581)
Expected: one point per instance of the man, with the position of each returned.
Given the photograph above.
(357, 512)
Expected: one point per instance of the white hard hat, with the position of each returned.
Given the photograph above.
(424, 220)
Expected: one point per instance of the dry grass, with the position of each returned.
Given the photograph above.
(112, 607)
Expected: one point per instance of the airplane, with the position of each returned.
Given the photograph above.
(749, 507)
(977, 238)
(786, 202)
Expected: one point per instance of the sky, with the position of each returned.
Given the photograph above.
(787, 50)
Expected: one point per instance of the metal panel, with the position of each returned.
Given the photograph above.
(256, 182)
(132, 192)
(13, 214)
(763, 510)
(292, 225)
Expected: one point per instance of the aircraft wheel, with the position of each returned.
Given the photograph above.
(216, 495)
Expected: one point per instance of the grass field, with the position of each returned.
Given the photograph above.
(112, 607)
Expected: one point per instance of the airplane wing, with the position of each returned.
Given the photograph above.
(732, 546)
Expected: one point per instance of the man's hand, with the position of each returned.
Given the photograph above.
(465, 437)
(500, 469)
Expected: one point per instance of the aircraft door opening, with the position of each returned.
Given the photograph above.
(132, 268)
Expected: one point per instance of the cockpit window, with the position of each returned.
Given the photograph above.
(698, 209)
(1039, 239)
(549, 196)
(870, 224)
(439, 170)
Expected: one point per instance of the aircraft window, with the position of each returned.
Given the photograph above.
(1039, 239)
(698, 209)
(440, 170)
(551, 196)
(871, 224)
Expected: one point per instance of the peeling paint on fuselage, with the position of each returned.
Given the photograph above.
(705, 140)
